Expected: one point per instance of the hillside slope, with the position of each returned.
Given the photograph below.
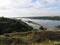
(8, 25)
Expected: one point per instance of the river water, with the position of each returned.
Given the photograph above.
(49, 24)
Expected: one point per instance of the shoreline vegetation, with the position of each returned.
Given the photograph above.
(44, 17)
(17, 32)
(58, 26)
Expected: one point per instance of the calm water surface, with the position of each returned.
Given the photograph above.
(49, 24)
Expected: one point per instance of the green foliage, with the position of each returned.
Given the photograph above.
(58, 26)
(41, 28)
(8, 25)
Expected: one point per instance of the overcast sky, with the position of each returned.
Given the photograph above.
(15, 8)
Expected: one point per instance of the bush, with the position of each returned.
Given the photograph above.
(41, 28)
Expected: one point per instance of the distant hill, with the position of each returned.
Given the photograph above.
(44, 17)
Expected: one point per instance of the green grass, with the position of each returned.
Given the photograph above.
(42, 43)
(1, 43)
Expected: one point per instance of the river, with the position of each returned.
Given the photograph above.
(49, 24)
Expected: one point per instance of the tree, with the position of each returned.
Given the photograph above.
(41, 28)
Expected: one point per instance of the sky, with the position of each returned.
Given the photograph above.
(23, 8)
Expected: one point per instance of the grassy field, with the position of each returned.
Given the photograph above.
(47, 37)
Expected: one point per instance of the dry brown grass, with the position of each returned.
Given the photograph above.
(34, 37)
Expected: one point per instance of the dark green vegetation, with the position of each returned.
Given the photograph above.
(44, 17)
(58, 26)
(8, 25)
